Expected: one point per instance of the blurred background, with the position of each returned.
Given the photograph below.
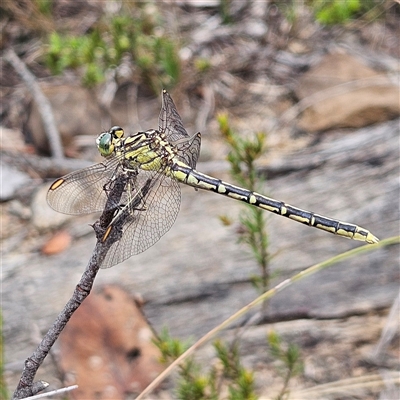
(314, 84)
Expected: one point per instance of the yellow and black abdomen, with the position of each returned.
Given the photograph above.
(189, 176)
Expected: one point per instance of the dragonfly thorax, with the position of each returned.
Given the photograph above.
(147, 150)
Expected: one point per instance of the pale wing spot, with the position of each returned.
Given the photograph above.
(57, 184)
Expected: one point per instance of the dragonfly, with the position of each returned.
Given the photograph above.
(150, 165)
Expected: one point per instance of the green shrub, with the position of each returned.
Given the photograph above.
(330, 12)
(154, 54)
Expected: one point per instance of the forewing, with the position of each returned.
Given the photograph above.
(144, 222)
(83, 191)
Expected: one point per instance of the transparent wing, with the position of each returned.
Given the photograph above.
(189, 151)
(171, 124)
(150, 213)
(83, 191)
(170, 121)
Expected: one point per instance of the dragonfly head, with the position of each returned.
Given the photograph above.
(106, 140)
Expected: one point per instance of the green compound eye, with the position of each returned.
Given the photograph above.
(105, 144)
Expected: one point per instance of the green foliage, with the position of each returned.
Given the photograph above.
(289, 358)
(242, 157)
(330, 12)
(169, 347)
(193, 384)
(224, 12)
(44, 6)
(110, 39)
(227, 375)
(241, 380)
(202, 64)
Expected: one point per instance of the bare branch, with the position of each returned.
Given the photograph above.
(44, 166)
(26, 387)
(42, 102)
(53, 392)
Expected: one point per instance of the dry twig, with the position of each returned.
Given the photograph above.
(41, 100)
(26, 387)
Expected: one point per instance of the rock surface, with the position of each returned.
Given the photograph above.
(342, 92)
(11, 180)
(198, 275)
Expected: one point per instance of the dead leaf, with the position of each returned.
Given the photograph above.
(57, 243)
(107, 349)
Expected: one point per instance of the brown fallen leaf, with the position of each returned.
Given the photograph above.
(57, 243)
(106, 348)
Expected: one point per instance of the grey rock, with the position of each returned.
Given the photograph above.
(43, 216)
(11, 180)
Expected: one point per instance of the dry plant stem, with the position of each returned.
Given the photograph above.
(389, 331)
(267, 295)
(43, 166)
(26, 387)
(56, 392)
(41, 101)
(326, 390)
